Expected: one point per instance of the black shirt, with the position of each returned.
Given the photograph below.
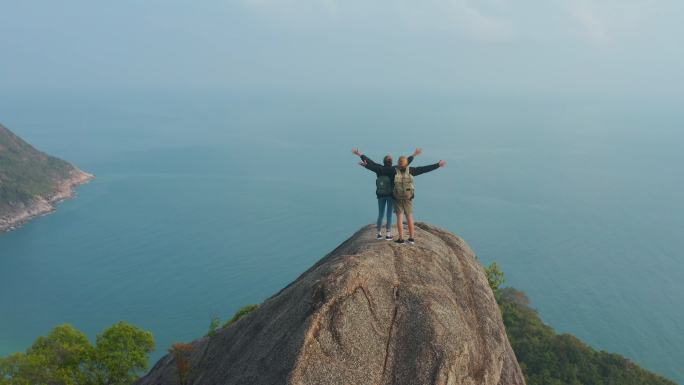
(391, 171)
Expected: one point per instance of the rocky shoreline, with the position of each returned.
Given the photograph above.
(19, 214)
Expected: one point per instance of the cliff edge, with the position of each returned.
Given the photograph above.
(370, 312)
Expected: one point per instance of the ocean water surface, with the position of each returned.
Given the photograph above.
(205, 202)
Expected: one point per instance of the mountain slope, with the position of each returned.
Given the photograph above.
(31, 182)
(370, 312)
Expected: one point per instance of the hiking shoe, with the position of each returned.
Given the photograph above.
(400, 241)
(379, 236)
(412, 241)
(389, 237)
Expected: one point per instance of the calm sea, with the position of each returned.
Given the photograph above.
(205, 202)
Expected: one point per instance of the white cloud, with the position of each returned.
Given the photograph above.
(458, 16)
(593, 26)
(462, 17)
(483, 27)
(596, 22)
(604, 22)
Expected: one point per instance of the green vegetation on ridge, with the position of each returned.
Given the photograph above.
(547, 358)
(26, 172)
(243, 311)
(215, 322)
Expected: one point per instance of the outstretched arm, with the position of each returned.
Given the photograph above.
(415, 171)
(369, 164)
(366, 161)
(411, 157)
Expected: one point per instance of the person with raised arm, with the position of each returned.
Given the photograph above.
(403, 189)
(384, 185)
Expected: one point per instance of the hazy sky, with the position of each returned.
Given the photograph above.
(631, 47)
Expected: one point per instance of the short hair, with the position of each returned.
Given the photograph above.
(387, 160)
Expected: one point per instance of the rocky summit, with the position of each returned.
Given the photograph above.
(370, 312)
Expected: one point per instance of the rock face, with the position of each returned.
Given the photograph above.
(370, 312)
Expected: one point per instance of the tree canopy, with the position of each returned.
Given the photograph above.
(66, 357)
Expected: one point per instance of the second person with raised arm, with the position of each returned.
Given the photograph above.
(403, 188)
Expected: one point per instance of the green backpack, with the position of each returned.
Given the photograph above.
(403, 184)
(383, 186)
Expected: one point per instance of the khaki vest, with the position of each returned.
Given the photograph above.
(403, 184)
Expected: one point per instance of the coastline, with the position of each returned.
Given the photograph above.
(39, 206)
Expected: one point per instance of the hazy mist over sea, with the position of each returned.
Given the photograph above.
(220, 134)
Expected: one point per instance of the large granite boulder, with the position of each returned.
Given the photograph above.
(370, 312)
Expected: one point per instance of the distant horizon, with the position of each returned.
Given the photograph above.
(497, 46)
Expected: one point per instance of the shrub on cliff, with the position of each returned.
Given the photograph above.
(241, 313)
